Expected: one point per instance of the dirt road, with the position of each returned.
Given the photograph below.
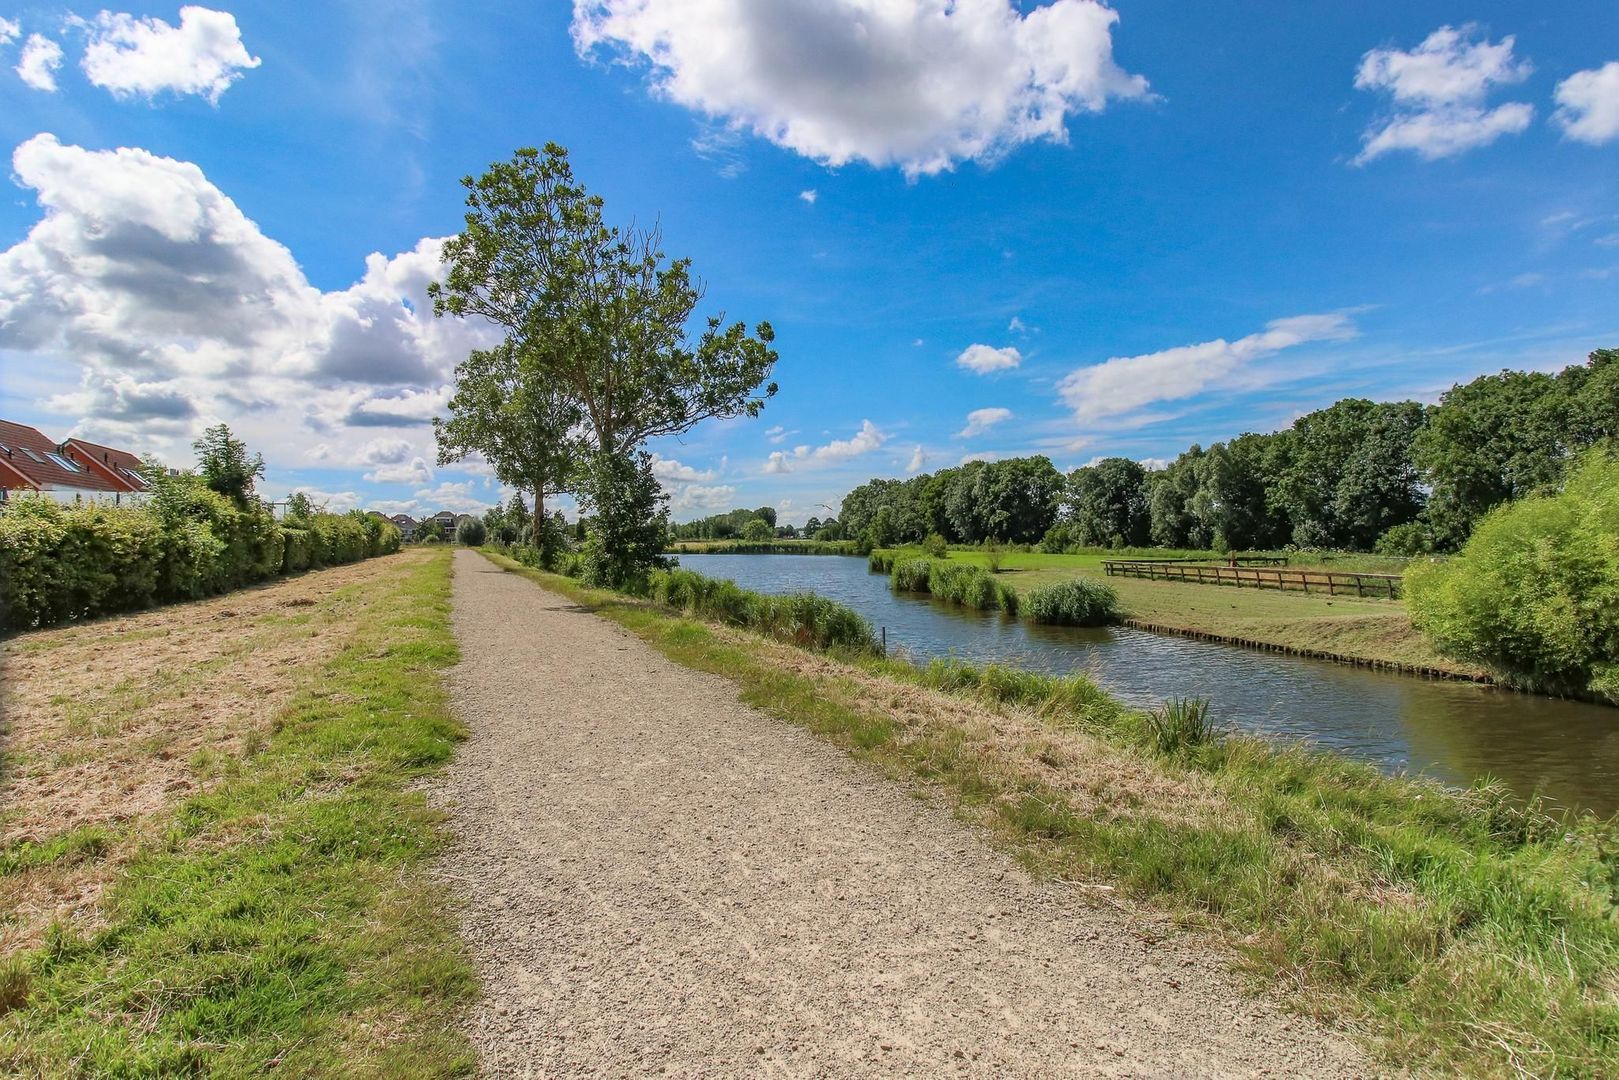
(661, 879)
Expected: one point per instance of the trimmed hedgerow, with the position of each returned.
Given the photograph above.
(1079, 602)
(61, 563)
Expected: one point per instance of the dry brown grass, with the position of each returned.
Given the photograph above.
(105, 725)
(1095, 777)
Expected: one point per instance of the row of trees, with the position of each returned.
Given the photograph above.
(733, 525)
(597, 356)
(1399, 476)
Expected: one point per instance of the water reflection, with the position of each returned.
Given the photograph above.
(1457, 732)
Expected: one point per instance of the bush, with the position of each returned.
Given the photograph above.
(471, 532)
(1534, 594)
(758, 531)
(994, 556)
(934, 547)
(61, 563)
(1409, 540)
(1080, 602)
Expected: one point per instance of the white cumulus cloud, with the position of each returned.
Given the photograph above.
(1125, 384)
(1438, 91)
(132, 57)
(9, 30)
(37, 65)
(919, 460)
(981, 420)
(1588, 104)
(414, 471)
(921, 84)
(864, 441)
(983, 359)
(672, 471)
(176, 305)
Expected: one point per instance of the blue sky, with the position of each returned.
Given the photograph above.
(1188, 221)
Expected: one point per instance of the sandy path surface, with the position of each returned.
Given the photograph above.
(663, 880)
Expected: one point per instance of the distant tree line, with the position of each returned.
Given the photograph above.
(1400, 477)
(736, 524)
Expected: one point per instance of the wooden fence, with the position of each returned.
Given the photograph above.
(1292, 579)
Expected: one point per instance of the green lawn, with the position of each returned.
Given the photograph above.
(281, 919)
(1371, 631)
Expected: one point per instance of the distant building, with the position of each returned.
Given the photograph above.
(72, 472)
(445, 519)
(119, 466)
(406, 524)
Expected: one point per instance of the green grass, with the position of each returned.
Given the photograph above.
(1369, 631)
(283, 919)
(1459, 932)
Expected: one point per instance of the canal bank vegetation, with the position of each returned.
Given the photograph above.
(1457, 930)
(1534, 594)
(1369, 632)
(216, 862)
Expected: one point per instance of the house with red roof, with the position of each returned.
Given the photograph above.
(31, 462)
(119, 466)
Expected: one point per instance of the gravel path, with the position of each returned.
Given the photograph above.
(660, 879)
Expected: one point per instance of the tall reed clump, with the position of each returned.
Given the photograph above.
(880, 562)
(969, 586)
(1080, 602)
(909, 575)
(1180, 723)
(801, 618)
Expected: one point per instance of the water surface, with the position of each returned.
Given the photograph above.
(1454, 731)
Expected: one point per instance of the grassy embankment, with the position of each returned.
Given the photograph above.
(211, 859)
(1454, 930)
(1372, 632)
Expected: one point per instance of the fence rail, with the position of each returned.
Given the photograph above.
(1287, 579)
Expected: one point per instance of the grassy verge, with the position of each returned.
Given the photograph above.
(1374, 632)
(1458, 932)
(280, 915)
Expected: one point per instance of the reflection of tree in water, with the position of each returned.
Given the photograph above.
(1567, 751)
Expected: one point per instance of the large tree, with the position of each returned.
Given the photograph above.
(506, 409)
(224, 464)
(605, 317)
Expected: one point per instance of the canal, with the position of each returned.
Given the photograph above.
(1453, 731)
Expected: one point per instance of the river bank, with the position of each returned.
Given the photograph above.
(1456, 930)
(1364, 632)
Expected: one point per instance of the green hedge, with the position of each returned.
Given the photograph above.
(1534, 594)
(62, 563)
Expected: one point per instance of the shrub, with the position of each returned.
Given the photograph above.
(471, 532)
(1080, 602)
(1410, 539)
(758, 531)
(935, 547)
(994, 556)
(61, 563)
(297, 550)
(1534, 594)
